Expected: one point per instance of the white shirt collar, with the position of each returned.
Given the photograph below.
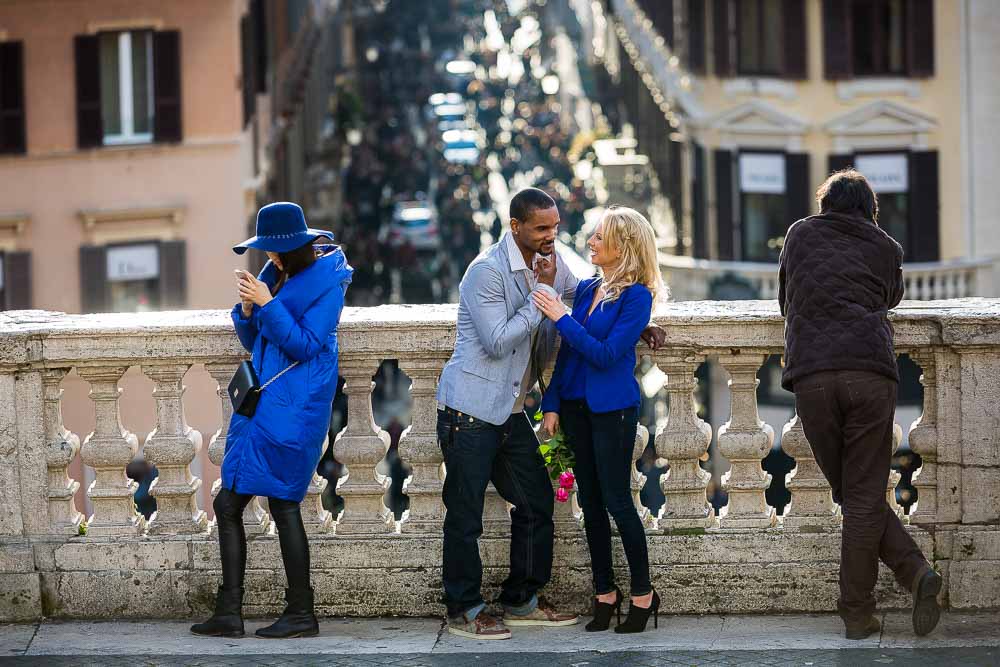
(516, 258)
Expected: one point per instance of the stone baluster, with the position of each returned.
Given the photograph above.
(812, 499)
(745, 440)
(361, 446)
(256, 519)
(894, 477)
(61, 447)
(683, 441)
(923, 438)
(419, 448)
(172, 446)
(108, 450)
(316, 519)
(638, 479)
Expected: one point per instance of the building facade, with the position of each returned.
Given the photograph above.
(745, 106)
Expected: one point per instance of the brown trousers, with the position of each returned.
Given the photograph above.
(847, 417)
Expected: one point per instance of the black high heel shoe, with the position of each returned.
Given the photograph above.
(603, 611)
(639, 616)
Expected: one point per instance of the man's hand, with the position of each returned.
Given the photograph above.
(654, 336)
(550, 423)
(545, 270)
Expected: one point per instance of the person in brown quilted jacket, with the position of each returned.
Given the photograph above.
(838, 276)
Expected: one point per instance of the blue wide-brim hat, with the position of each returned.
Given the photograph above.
(281, 227)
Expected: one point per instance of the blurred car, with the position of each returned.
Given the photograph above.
(461, 146)
(416, 222)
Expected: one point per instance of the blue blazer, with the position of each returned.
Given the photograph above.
(605, 345)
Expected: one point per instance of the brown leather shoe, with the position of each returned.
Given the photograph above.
(543, 614)
(926, 612)
(863, 630)
(483, 626)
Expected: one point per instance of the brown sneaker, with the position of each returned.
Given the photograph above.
(482, 626)
(544, 614)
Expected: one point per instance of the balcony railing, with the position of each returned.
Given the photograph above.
(692, 279)
(743, 558)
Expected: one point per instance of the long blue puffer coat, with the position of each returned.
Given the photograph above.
(275, 452)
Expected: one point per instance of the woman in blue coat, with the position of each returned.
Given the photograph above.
(594, 392)
(287, 318)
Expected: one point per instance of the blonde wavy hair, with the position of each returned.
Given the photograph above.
(628, 233)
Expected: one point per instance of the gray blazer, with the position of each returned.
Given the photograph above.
(496, 320)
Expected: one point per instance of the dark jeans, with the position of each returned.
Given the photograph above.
(476, 453)
(229, 507)
(847, 417)
(602, 444)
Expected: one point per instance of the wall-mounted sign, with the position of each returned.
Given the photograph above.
(133, 262)
(885, 173)
(762, 172)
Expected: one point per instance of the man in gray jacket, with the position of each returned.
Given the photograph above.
(502, 345)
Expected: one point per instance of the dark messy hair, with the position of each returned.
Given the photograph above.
(293, 262)
(527, 201)
(848, 191)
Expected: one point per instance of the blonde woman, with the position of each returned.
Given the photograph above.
(594, 392)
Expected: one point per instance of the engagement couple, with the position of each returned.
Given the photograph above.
(511, 308)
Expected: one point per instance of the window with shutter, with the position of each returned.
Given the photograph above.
(800, 195)
(127, 87)
(764, 204)
(760, 37)
(12, 121)
(837, 39)
(796, 65)
(878, 38)
(249, 81)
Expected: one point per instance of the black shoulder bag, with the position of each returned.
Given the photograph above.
(245, 390)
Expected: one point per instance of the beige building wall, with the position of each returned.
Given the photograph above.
(981, 115)
(199, 190)
(817, 101)
(200, 181)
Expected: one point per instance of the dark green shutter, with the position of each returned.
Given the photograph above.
(93, 279)
(838, 161)
(724, 204)
(12, 131)
(795, 32)
(173, 275)
(837, 46)
(167, 86)
(924, 205)
(17, 280)
(89, 123)
(722, 37)
(920, 38)
(696, 36)
(699, 220)
(797, 186)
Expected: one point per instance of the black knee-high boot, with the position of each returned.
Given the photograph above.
(227, 621)
(299, 617)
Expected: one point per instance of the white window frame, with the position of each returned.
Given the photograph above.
(125, 81)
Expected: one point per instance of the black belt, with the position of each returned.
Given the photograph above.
(456, 413)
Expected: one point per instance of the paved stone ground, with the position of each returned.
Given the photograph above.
(775, 641)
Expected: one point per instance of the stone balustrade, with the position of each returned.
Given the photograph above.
(743, 558)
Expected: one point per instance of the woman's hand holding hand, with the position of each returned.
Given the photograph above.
(253, 291)
(551, 306)
(550, 423)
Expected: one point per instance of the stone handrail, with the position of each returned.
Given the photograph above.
(691, 278)
(743, 558)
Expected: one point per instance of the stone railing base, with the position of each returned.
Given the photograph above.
(736, 572)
